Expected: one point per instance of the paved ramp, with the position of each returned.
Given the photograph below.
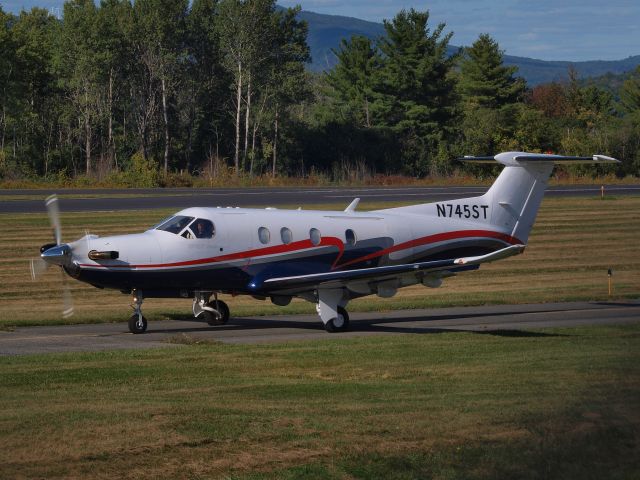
(512, 320)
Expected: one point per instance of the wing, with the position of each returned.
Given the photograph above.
(438, 268)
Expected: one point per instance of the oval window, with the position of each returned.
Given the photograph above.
(350, 237)
(264, 235)
(314, 236)
(286, 235)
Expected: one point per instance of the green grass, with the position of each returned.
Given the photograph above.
(561, 403)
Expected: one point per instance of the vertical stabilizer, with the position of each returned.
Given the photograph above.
(515, 197)
(511, 204)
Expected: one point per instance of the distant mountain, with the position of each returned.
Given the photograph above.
(542, 71)
(326, 31)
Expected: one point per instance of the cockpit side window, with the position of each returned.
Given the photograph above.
(200, 228)
(175, 224)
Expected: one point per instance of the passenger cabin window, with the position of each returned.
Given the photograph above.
(286, 235)
(175, 224)
(314, 236)
(200, 228)
(264, 235)
(350, 237)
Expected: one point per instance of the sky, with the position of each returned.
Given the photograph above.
(573, 30)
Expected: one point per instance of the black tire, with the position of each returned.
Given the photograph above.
(335, 325)
(211, 318)
(135, 326)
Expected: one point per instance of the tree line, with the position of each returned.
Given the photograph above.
(153, 87)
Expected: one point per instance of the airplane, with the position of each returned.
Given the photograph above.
(325, 257)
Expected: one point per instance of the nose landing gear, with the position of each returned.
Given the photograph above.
(137, 322)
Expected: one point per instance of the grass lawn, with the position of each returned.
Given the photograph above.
(574, 242)
(562, 403)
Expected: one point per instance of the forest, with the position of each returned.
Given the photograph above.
(158, 92)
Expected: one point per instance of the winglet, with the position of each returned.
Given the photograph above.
(352, 206)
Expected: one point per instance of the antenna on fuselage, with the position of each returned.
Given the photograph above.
(352, 206)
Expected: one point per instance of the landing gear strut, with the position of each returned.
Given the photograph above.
(215, 312)
(137, 323)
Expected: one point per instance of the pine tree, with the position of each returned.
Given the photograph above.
(352, 82)
(417, 97)
(484, 80)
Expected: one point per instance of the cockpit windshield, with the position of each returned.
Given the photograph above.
(175, 224)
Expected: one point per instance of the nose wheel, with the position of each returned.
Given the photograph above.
(137, 322)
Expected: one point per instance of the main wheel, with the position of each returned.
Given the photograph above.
(338, 324)
(137, 323)
(223, 311)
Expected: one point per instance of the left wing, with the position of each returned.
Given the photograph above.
(341, 278)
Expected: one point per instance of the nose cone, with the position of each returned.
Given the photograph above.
(58, 255)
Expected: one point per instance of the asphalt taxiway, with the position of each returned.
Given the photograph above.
(505, 320)
(179, 198)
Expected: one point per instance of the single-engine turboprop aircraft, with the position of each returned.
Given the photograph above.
(325, 257)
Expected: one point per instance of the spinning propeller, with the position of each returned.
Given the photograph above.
(57, 253)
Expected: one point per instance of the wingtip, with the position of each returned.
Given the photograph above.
(604, 158)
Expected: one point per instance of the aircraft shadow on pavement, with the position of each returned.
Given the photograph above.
(618, 304)
(379, 325)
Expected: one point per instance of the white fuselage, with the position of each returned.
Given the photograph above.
(296, 242)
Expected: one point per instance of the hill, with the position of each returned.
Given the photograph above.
(326, 31)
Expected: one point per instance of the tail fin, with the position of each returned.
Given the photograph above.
(511, 204)
(515, 196)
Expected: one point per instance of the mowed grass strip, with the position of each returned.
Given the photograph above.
(562, 403)
(573, 244)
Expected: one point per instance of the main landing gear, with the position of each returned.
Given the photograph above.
(330, 307)
(215, 312)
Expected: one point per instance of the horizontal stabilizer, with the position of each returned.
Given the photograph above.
(518, 158)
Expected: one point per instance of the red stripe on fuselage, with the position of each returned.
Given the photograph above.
(325, 241)
(439, 237)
